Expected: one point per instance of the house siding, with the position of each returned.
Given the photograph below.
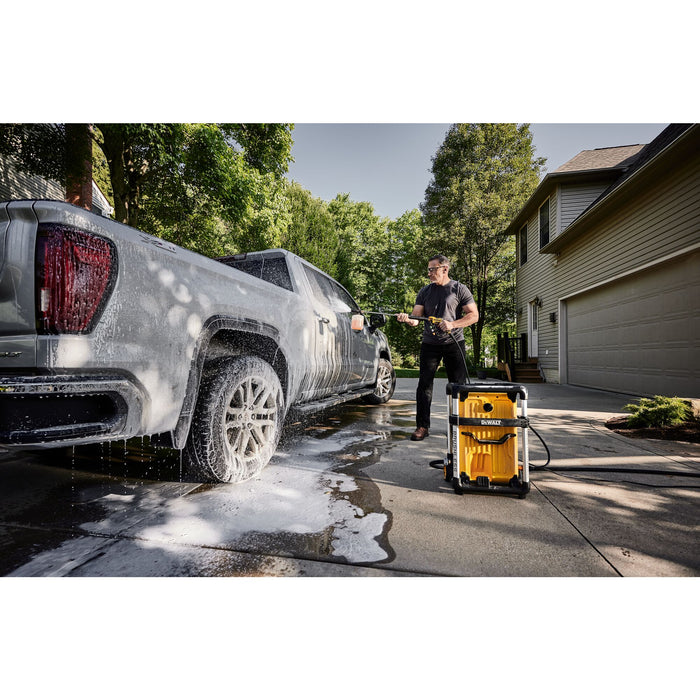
(574, 199)
(656, 223)
(18, 185)
(534, 279)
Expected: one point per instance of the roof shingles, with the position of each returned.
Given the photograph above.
(602, 158)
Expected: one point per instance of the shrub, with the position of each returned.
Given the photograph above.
(659, 412)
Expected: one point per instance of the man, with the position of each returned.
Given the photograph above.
(454, 304)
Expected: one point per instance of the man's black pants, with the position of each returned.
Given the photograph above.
(430, 355)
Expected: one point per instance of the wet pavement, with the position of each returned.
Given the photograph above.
(348, 494)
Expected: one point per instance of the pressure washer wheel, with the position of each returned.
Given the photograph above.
(447, 469)
(457, 486)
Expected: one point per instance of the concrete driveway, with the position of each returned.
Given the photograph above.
(573, 523)
(348, 494)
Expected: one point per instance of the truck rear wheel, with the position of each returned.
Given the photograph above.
(237, 422)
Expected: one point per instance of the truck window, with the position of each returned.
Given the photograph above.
(272, 270)
(329, 291)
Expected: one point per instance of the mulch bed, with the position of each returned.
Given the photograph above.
(685, 432)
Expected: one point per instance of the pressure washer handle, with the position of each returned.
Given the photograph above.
(433, 319)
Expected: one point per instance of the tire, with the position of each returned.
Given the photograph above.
(386, 383)
(237, 421)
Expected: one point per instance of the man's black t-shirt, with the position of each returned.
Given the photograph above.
(446, 302)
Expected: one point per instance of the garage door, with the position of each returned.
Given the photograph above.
(641, 334)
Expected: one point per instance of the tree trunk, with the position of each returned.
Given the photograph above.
(121, 173)
(79, 165)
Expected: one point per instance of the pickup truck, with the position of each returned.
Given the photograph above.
(109, 333)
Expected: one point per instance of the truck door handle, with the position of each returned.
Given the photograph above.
(323, 319)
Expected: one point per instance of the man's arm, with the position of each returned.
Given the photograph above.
(470, 316)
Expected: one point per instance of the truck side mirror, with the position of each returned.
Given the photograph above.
(376, 321)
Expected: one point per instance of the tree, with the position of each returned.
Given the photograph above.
(266, 147)
(311, 231)
(362, 254)
(216, 165)
(482, 176)
(214, 188)
(404, 273)
(78, 159)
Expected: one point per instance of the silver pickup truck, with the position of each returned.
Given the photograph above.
(109, 333)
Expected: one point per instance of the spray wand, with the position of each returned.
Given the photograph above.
(434, 321)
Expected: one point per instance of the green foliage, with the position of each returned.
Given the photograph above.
(482, 176)
(100, 173)
(659, 412)
(364, 244)
(212, 188)
(266, 147)
(404, 275)
(266, 217)
(37, 149)
(311, 232)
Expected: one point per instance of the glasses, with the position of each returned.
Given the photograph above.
(435, 269)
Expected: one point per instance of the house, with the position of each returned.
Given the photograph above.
(608, 268)
(15, 184)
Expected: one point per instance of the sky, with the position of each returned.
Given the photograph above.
(388, 165)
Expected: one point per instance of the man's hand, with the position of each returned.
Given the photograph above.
(446, 325)
(403, 318)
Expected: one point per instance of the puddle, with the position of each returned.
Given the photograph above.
(312, 501)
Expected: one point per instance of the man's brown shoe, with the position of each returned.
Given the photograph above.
(420, 434)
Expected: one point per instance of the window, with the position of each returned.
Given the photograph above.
(318, 283)
(330, 292)
(272, 270)
(523, 244)
(544, 224)
(342, 301)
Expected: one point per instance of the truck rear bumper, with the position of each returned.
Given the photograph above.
(46, 411)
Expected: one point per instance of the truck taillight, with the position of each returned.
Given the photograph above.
(75, 273)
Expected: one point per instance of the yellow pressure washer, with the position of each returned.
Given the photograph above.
(483, 441)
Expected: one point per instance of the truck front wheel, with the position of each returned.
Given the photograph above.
(386, 382)
(237, 422)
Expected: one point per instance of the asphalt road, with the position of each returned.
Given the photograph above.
(348, 494)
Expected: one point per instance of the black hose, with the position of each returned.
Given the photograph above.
(439, 464)
(463, 355)
(618, 470)
(549, 456)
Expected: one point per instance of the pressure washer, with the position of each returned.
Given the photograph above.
(483, 440)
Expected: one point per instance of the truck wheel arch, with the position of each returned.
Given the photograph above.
(220, 337)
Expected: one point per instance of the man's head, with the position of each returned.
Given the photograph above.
(438, 269)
